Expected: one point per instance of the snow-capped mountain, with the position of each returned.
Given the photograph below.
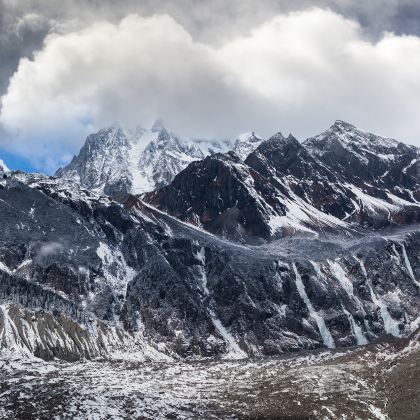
(103, 162)
(163, 157)
(138, 160)
(367, 159)
(115, 160)
(246, 143)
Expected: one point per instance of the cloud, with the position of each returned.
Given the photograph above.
(19, 36)
(317, 66)
(129, 72)
(24, 23)
(296, 72)
(50, 248)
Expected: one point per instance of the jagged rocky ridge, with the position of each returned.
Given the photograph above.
(91, 275)
(135, 161)
(343, 180)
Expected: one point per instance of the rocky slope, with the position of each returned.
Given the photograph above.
(91, 276)
(343, 180)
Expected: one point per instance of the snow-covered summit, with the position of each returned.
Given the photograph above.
(158, 126)
(161, 160)
(139, 160)
(362, 157)
(347, 135)
(102, 164)
(246, 143)
(130, 160)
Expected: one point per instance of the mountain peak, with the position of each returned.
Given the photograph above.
(135, 160)
(246, 143)
(278, 138)
(111, 135)
(278, 150)
(342, 125)
(248, 137)
(158, 126)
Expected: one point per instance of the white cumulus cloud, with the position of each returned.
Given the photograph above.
(296, 73)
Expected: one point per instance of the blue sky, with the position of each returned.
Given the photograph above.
(15, 162)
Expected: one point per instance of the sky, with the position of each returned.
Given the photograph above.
(210, 69)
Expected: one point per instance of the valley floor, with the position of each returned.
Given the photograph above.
(380, 381)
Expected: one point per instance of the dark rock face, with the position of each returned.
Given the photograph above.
(285, 155)
(215, 193)
(257, 298)
(299, 176)
(126, 265)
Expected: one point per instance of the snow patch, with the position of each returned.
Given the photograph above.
(408, 265)
(390, 324)
(341, 276)
(357, 331)
(116, 270)
(322, 327)
(3, 267)
(201, 257)
(234, 351)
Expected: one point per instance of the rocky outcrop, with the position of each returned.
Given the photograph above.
(54, 335)
(223, 195)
